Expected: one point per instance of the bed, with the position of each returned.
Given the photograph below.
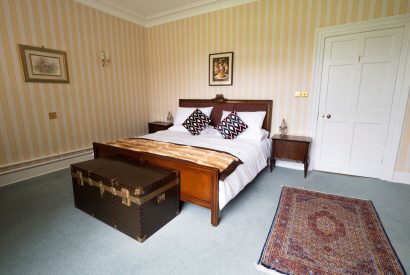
(200, 184)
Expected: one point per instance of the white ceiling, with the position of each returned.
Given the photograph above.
(154, 12)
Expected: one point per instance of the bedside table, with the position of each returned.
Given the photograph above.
(293, 148)
(158, 126)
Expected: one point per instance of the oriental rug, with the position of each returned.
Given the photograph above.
(317, 233)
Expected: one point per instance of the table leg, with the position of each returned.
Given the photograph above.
(306, 167)
(272, 164)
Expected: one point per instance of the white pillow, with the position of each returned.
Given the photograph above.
(178, 128)
(254, 120)
(209, 130)
(183, 113)
(265, 134)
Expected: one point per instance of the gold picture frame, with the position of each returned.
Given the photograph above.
(44, 65)
(221, 69)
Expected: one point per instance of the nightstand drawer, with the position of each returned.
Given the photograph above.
(288, 150)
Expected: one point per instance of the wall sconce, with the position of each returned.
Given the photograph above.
(105, 58)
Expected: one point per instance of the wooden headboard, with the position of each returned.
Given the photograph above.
(222, 104)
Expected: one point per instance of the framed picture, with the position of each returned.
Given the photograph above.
(44, 65)
(220, 69)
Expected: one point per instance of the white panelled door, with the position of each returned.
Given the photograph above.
(356, 93)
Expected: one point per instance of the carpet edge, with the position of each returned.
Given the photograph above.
(271, 226)
(267, 270)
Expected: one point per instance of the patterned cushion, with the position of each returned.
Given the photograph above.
(231, 126)
(196, 122)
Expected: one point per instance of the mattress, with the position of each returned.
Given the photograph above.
(253, 154)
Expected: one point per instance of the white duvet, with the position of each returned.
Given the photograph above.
(253, 154)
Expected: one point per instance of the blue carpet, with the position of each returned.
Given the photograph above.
(42, 233)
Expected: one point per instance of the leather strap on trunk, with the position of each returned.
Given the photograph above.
(124, 194)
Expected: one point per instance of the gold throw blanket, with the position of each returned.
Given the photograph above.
(224, 162)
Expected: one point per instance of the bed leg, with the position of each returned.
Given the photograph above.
(215, 216)
(215, 199)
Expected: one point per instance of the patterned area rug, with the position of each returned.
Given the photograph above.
(317, 233)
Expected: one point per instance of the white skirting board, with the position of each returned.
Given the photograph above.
(290, 165)
(32, 171)
(401, 177)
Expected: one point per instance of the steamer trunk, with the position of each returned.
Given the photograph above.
(137, 200)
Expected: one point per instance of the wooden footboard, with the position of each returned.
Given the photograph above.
(198, 184)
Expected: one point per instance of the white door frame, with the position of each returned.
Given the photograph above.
(399, 103)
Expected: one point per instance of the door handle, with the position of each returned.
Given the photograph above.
(327, 116)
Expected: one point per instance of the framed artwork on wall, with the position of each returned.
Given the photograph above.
(44, 65)
(220, 69)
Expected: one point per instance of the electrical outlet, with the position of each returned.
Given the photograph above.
(52, 115)
(297, 94)
(305, 93)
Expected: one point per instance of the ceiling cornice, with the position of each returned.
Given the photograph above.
(192, 10)
(112, 9)
(180, 9)
(181, 12)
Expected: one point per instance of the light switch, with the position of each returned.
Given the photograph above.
(297, 94)
(305, 93)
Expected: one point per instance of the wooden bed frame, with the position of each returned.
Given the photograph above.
(198, 184)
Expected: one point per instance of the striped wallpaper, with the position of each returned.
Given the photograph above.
(152, 68)
(273, 45)
(98, 104)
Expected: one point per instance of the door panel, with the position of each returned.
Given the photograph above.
(343, 49)
(375, 92)
(339, 86)
(335, 136)
(358, 82)
(379, 45)
(365, 147)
